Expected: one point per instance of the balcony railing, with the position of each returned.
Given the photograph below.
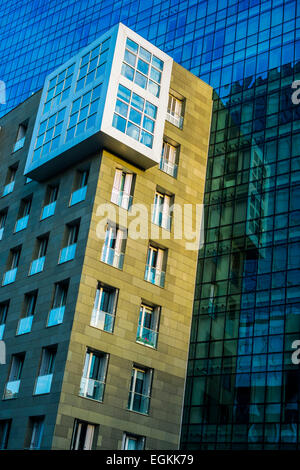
(91, 388)
(122, 199)
(168, 167)
(21, 224)
(67, 253)
(8, 188)
(37, 266)
(9, 276)
(155, 276)
(56, 316)
(25, 325)
(11, 389)
(138, 402)
(1, 233)
(2, 328)
(19, 144)
(103, 320)
(78, 196)
(48, 210)
(175, 119)
(146, 336)
(43, 384)
(110, 256)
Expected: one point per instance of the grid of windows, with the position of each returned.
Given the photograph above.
(49, 134)
(135, 116)
(92, 65)
(59, 89)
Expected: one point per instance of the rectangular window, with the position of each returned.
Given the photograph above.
(25, 323)
(37, 265)
(161, 214)
(94, 375)
(10, 181)
(23, 215)
(114, 246)
(104, 311)
(156, 265)
(84, 435)
(13, 263)
(169, 159)
(122, 189)
(5, 425)
(71, 236)
(12, 386)
(147, 332)
(140, 390)
(50, 202)
(3, 217)
(46, 369)
(21, 136)
(80, 187)
(175, 111)
(57, 312)
(36, 429)
(3, 316)
(133, 442)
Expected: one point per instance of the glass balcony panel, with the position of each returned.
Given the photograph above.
(48, 210)
(1, 233)
(91, 388)
(78, 195)
(25, 325)
(175, 119)
(43, 384)
(110, 256)
(168, 167)
(21, 223)
(2, 328)
(155, 276)
(8, 188)
(146, 336)
(103, 320)
(122, 199)
(11, 389)
(67, 253)
(19, 144)
(56, 316)
(37, 266)
(138, 402)
(9, 276)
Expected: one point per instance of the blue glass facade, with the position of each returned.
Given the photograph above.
(243, 390)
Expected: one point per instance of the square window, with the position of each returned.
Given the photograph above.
(130, 58)
(94, 107)
(131, 45)
(121, 108)
(124, 93)
(136, 117)
(133, 131)
(148, 124)
(155, 75)
(154, 88)
(91, 121)
(140, 80)
(137, 101)
(119, 123)
(97, 92)
(127, 72)
(150, 110)
(86, 99)
(143, 67)
(145, 54)
(146, 139)
(157, 63)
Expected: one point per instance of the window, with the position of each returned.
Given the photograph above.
(23, 216)
(36, 429)
(94, 375)
(57, 312)
(122, 189)
(135, 116)
(104, 311)
(140, 388)
(44, 379)
(10, 181)
(3, 315)
(169, 159)
(114, 246)
(175, 111)
(21, 136)
(79, 192)
(13, 263)
(133, 442)
(141, 67)
(12, 386)
(58, 88)
(50, 202)
(92, 65)
(211, 301)
(68, 252)
(3, 217)
(148, 325)
(49, 134)
(5, 425)
(25, 323)
(156, 265)
(37, 265)
(161, 214)
(84, 435)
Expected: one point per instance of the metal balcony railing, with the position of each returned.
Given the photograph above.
(103, 320)
(67, 253)
(91, 388)
(138, 402)
(37, 266)
(78, 196)
(43, 384)
(24, 325)
(56, 316)
(168, 167)
(155, 276)
(11, 389)
(146, 336)
(110, 256)
(9, 276)
(21, 224)
(48, 210)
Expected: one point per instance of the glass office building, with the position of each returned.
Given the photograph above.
(242, 389)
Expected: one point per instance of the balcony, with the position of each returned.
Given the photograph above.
(168, 167)
(90, 388)
(175, 119)
(21, 223)
(146, 336)
(1, 233)
(25, 325)
(19, 144)
(103, 320)
(2, 328)
(37, 266)
(155, 276)
(9, 276)
(122, 199)
(78, 196)
(111, 257)
(48, 210)
(138, 402)
(11, 389)
(8, 188)
(67, 253)
(56, 316)
(43, 384)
